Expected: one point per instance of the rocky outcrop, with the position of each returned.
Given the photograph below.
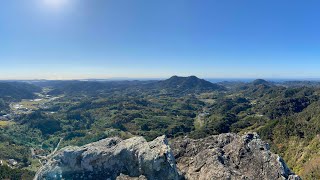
(126, 177)
(225, 156)
(107, 158)
(229, 156)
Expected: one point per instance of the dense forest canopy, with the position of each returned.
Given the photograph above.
(286, 114)
(17, 90)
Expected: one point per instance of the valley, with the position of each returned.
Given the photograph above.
(286, 115)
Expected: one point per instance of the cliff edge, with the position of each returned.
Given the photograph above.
(225, 156)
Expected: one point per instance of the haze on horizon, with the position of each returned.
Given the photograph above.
(78, 39)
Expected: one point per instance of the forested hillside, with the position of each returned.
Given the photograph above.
(17, 90)
(286, 116)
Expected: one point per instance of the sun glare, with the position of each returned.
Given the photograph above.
(55, 4)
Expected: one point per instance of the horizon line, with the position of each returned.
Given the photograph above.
(162, 78)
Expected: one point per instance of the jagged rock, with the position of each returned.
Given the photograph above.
(225, 156)
(229, 156)
(107, 158)
(126, 177)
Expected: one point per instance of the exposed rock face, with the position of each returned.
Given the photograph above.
(125, 177)
(229, 156)
(107, 158)
(225, 156)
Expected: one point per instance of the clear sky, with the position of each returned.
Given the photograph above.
(68, 39)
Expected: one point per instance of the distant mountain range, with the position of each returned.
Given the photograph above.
(174, 84)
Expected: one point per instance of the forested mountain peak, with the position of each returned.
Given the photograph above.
(190, 83)
(260, 82)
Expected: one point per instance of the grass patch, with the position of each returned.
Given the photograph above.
(5, 123)
(32, 104)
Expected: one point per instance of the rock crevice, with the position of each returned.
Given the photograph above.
(229, 156)
(225, 156)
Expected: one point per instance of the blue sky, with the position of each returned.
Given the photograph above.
(151, 38)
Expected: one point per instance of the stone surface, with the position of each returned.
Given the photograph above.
(126, 177)
(225, 156)
(229, 156)
(107, 158)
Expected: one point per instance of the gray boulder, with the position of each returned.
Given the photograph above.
(108, 158)
(229, 156)
(226, 156)
(126, 177)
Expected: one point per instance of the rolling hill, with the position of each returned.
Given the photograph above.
(17, 90)
(188, 84)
